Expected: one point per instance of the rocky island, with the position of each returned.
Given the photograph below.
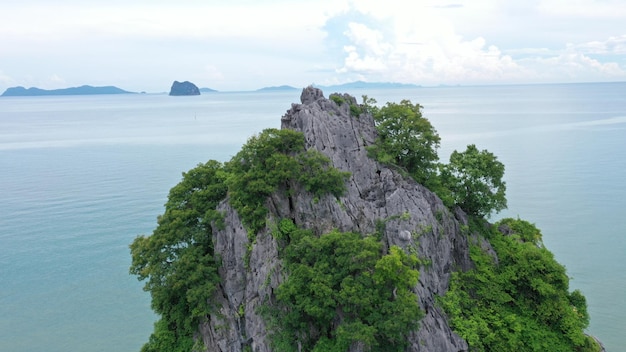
(320, 237)
(184, 88)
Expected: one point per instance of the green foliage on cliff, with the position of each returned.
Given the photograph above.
(473, 180)
(519, 301)
(406, 138)
(178, 260)
(273, 159)
(342, 289)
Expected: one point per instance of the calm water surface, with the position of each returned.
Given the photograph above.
(82, 176)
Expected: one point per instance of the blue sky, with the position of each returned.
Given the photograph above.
(144, 45)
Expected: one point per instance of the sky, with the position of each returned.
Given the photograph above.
(236, 45)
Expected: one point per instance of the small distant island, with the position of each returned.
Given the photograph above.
(207, 90)
(184, 89)
(82, 90)
(277, 89)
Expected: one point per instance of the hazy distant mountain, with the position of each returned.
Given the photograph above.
(207, 90)
(277, 88)
(82, 90)
(369, 85)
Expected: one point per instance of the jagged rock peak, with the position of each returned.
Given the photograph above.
(374, 192)
(311, 94)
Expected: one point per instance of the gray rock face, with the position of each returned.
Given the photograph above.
(375, 192)
(184, 88)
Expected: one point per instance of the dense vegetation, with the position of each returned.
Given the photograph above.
(472, 180)
(342, 289)
(273, 159)
(518, 300)
(178, 260)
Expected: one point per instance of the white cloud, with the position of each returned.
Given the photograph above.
(210, 19)
(212, 73)
(614, 45)
(589, 9)
(5, 80)
(371, 40)
(424, 48)
(572, 66)
(56, 79)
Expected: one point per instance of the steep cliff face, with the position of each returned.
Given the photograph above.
(375, 193)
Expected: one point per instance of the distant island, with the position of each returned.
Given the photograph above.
(82, 90)
(184, 89)
(187, 88)
(277, 89)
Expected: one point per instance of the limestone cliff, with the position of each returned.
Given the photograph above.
(375, 192)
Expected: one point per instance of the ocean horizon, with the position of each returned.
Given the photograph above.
(82, 176)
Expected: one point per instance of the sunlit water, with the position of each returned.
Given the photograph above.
(81, 176)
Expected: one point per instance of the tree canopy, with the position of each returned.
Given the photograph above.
(178, 261)
(405, 138)
(342, 289)
(273, 159)
(521, 302)
(474, 179)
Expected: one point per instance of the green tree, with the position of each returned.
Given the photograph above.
(405, 138)
(272, 160)
(474, 181)
(342, 289)
(177, 260)
(521, 302)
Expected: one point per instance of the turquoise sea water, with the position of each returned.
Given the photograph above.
(81, 176)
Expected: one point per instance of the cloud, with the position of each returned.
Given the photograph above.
(572, 67)
(615, 45)
(5, 81)
(448, 6)
(424, 48)
(56, 79)
(587, 9)
(213, 73)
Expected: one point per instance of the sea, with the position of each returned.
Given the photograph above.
(82, 176)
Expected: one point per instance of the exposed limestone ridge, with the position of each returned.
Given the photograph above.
(416, 220)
